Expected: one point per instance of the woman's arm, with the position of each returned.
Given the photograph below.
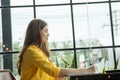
(74, 71)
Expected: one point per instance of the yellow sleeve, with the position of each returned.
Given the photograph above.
(38, 59)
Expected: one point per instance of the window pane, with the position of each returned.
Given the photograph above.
(19, 2)
(118, 57)
(62, 59)
(97, 57)
(15, 71)
(51, 1)
(1, 61)
(116, 22)
(75, 1)
(115, 0)
(19, 24)
(59, 25)
(92, 25)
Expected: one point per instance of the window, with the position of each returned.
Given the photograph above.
(76, 1)
(21, 2)
(59, 25)
(86, 31)
(91, 22)
(116, 22)
(39, 2)
(20, 22)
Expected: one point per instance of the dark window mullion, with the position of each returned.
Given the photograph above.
(34, 8)
(112, 32)
(73, 31)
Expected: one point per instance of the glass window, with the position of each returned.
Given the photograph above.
(118, 57)
(51, 1)
(1, 61)
(15, 71)
(59, 25)
(21, 2)
(92, 25)
(98, 57)
(20, 17)
(63, 59)
(75, 1)
(115, 0)
(116, 21)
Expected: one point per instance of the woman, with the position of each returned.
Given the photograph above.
(34, 63)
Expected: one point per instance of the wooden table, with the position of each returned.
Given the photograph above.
(97, 76)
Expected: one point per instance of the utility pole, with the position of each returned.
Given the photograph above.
(116, 25)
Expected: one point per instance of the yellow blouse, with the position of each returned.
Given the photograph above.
(36, 66)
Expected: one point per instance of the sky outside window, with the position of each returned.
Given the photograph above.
(116, 22)
(51, 1)
(21, 2)
(20, 17)
(90, 23)
(75, 1)
(59, 23)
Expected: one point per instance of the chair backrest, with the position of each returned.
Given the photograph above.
(6, 74)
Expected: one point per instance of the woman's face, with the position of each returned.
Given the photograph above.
(44, 34)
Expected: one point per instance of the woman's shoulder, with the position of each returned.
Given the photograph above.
(33, 48)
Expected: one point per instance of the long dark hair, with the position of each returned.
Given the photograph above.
(33, 38)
